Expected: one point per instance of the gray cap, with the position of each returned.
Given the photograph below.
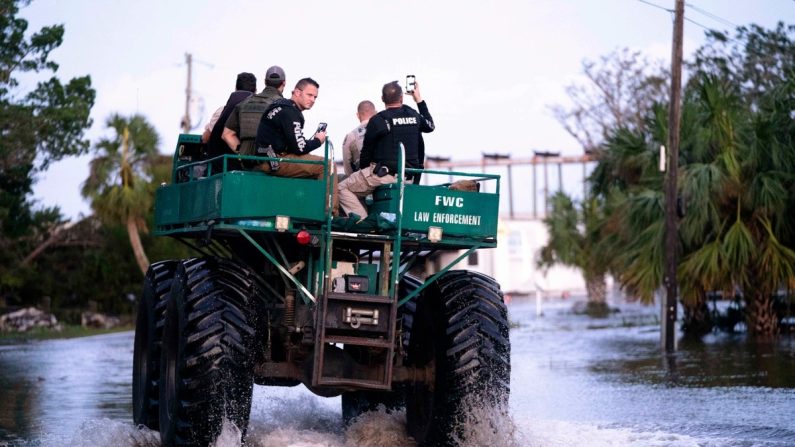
(275, 73)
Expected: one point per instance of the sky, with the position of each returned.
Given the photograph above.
(489, 71)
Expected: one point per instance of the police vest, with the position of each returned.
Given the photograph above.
(251, 112)
(403, 128)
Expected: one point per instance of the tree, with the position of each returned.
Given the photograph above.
(737, 182)
(754, 61)
(574, 240)
(36, 128)
(621, 87)
(118, 182)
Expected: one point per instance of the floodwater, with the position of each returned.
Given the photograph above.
(575, 381)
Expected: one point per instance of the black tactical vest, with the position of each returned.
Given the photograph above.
(251, 112)
(403, 128)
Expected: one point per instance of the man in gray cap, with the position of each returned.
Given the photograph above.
(240, 129)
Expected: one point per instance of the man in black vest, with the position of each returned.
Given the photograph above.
(245, 86)
(385, 131)
(241, 126)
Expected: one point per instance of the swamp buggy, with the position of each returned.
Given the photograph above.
(283, 294)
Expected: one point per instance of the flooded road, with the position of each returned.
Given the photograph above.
(575, 381)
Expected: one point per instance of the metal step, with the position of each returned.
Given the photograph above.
(359, 341)
(360, 297)
(375, 331)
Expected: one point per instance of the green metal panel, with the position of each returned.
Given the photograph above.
(254, 194)
(459, 213)
(239, 195)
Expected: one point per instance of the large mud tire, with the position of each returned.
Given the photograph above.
(207, 356)
(354, 403)
(460, 328)
(148, 335)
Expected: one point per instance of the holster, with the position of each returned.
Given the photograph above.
(269, 152)
(380, 170)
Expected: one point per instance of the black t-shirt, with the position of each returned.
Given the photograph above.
(392, 126)
(282, 127)
(215, 145)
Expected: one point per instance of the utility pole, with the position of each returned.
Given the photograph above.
(671, 219)
(186, 119)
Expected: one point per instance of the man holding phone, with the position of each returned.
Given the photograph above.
(280, 133)
(396, 124)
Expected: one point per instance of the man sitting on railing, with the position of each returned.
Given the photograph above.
(385, 131)
(281, 133)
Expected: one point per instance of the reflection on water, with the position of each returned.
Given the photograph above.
(45, 385)
(575, 381)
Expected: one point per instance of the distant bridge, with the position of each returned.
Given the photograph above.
(568, 173)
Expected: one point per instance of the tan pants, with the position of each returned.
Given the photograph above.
(357, 186)
(303, 170)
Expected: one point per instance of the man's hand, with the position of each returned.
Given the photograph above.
(321, 136)
(416, 93)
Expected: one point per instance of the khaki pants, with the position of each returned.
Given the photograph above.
(302, 170)
(357, 186)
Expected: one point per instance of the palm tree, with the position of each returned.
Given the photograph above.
(118, 181)
(737, 180)
(744, 200)
(574, 239)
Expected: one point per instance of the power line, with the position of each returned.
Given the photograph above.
(698, 24)
(672, 12)
(714, 17)
(657, 6)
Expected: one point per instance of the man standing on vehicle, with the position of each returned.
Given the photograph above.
(281, 130)
(353, 142)
(241, 127)
(385, 131)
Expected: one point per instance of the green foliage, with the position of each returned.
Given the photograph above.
(575, 235)
(756, 60)
(736, 178)
(37, 127)
(119, 174)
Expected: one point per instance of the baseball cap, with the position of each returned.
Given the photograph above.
(275, 73)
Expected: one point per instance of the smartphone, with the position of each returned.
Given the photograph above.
(410, 80)
(320, 128)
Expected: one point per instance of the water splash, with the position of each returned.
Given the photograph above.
(379, 428)
(230, 435)
(107, 432)
(481, 424)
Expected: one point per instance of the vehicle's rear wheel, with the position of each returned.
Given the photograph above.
(460, 329)
(148, 335)
(206, 360)
(354, 403)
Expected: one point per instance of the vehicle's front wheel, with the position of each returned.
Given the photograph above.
(148, 334)
(460, 330)
(207, 355)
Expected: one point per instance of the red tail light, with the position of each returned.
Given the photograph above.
(303, 237)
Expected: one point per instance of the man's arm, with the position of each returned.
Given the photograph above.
(231, 127)
(208, 129)
(426, 121)
(347, 153)
(293, 130)
(230, 138)
(376, 128)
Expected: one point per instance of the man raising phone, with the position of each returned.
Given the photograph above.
(385, 131)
